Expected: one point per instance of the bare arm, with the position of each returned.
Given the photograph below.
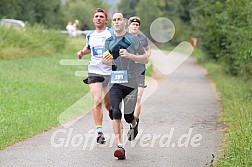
(148, 50)
(143, 59)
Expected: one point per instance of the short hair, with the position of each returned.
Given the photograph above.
(101, 10)
(134, 19)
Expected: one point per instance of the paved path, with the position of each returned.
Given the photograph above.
(178, 127)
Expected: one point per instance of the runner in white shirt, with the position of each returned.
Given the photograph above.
(98, 73)
(96, 43)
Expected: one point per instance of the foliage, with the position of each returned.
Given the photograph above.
(161, 8)
(147, 17)
(83, 11)
(183, 32)
(46, 12)
(33, 42)
(50, 13)
(225, 32)
(128, 7)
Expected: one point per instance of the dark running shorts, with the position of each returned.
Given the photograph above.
(94, 78)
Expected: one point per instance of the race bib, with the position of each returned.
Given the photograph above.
(119, 76)
(98, 51)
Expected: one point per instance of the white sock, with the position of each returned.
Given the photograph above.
(98, 128)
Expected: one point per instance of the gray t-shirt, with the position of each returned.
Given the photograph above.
(133, 46)
(144, 42)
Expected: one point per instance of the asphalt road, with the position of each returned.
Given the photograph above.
(178, 127)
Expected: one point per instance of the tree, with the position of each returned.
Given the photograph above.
(169, 8)
(10, 9)
(46, 12)
(224, 28)
(127, 7)
(82, 10)
(148, 11)
(184, 10)
(51, 13)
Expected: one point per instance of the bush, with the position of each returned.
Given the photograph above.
(34, 42)
(225, 31)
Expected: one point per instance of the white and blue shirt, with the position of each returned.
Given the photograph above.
(96, 43)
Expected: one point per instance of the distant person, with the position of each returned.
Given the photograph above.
(134, 28)
(70, 29)
(125, 49)
(98, 73)
(76, 24)
(84, 27)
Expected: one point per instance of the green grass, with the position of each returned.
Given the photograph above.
(235, 98)
(35, 91)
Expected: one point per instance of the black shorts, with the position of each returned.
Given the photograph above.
(94, 78)
(119, 93)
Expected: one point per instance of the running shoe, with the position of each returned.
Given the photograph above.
(119, 153)
(132, 133)
(100, 138)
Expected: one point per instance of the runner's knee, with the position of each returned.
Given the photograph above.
(97, 101)
(117, 114)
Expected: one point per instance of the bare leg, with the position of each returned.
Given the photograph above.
(121, 128)
(117, 125)
(138, 103)
(106, 100)
(96, 90)
(119, 151)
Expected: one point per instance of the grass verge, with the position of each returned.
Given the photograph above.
(35, 91)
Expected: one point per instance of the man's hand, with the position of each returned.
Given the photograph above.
(107, 58)
(124, 53)
(80, 54)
